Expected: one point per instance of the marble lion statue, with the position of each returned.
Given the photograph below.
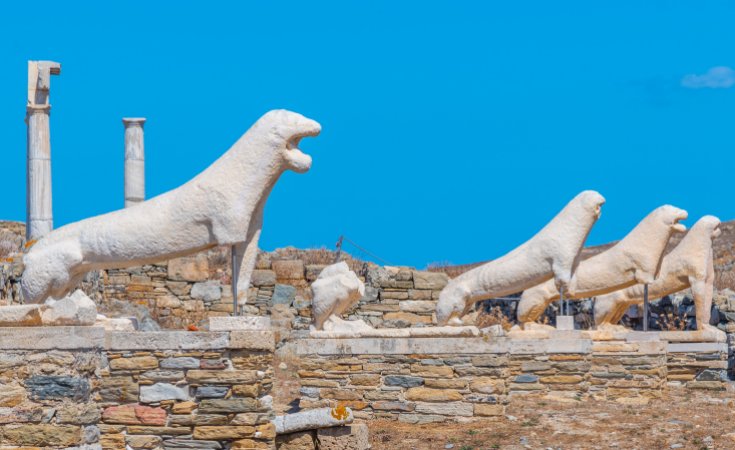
(335, 291)
(689, 265)
(635, 259)
(552, 253)
(223, 205)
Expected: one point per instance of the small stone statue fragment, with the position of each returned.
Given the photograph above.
(336, 290)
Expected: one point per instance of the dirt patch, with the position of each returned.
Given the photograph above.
(687, 420)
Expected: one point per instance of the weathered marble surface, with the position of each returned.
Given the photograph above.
(38, 185)
(336, 290)
(223, 205)
(313, 419)
(635, 259)
(552, 253)
(134, 161)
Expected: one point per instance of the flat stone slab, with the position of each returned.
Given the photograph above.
(166, 340)
(419, 332)
(239, 323)
(20, 315)
(436, 345)
(49, 338)
(697, 347)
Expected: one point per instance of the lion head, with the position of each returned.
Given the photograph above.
(285, 131)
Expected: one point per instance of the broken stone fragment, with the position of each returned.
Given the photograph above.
(313, 419)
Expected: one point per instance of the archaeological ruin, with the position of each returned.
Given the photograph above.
(162, 325)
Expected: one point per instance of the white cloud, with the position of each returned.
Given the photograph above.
(717, 77)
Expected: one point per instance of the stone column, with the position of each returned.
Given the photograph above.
(39, 216)
(134, 161)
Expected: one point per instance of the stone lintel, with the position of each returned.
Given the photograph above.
(697, 347)
(436, 346)
(166, 340)
(50, 338)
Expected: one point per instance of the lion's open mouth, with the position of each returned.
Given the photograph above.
(680, 227)
(298, 160)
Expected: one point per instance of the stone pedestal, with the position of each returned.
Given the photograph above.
(134, 161)
(39, 217)
(565, 323)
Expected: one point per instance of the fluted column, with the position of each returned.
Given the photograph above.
(39, 216)
(134, 161)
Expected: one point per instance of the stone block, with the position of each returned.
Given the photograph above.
(189, 268)
(347, 437)
(283, 294)
(222, 376)
(240, 323)
(303, 440)
(143, 441)
(461, 409)
(212, 391)
(118, 389)
(78, 413)
(418, 306)
(134, 415)
(407, 317)
(424, 394)
(180, 363)
(218, 433)
(42, 435)
(263, 278)
(20, 316)
(253, 340)
(403, 381)
(51, 338)
(45, 387)
(232, 405)
(207, 291)
(163, 391)
(166, 340)
(289, 269)
(11, 394)
(430, 280)
(134, 363)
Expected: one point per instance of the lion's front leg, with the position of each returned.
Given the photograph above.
(245, 254)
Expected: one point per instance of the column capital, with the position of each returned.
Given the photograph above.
(128, 121)
(31, 108)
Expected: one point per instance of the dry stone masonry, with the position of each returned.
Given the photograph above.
(458, 379)
(80, 387)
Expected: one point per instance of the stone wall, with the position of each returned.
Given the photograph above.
(186, 291)
(457, 379)
(80, 387)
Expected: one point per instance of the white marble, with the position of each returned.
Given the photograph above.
(336, 290)
(689, 265)
(635, 259)
(134, 161)
(39, 215)
(551, 254)
(313, 419)
(223, 205)
(230, 323)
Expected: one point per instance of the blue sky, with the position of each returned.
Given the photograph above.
(451, 131)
